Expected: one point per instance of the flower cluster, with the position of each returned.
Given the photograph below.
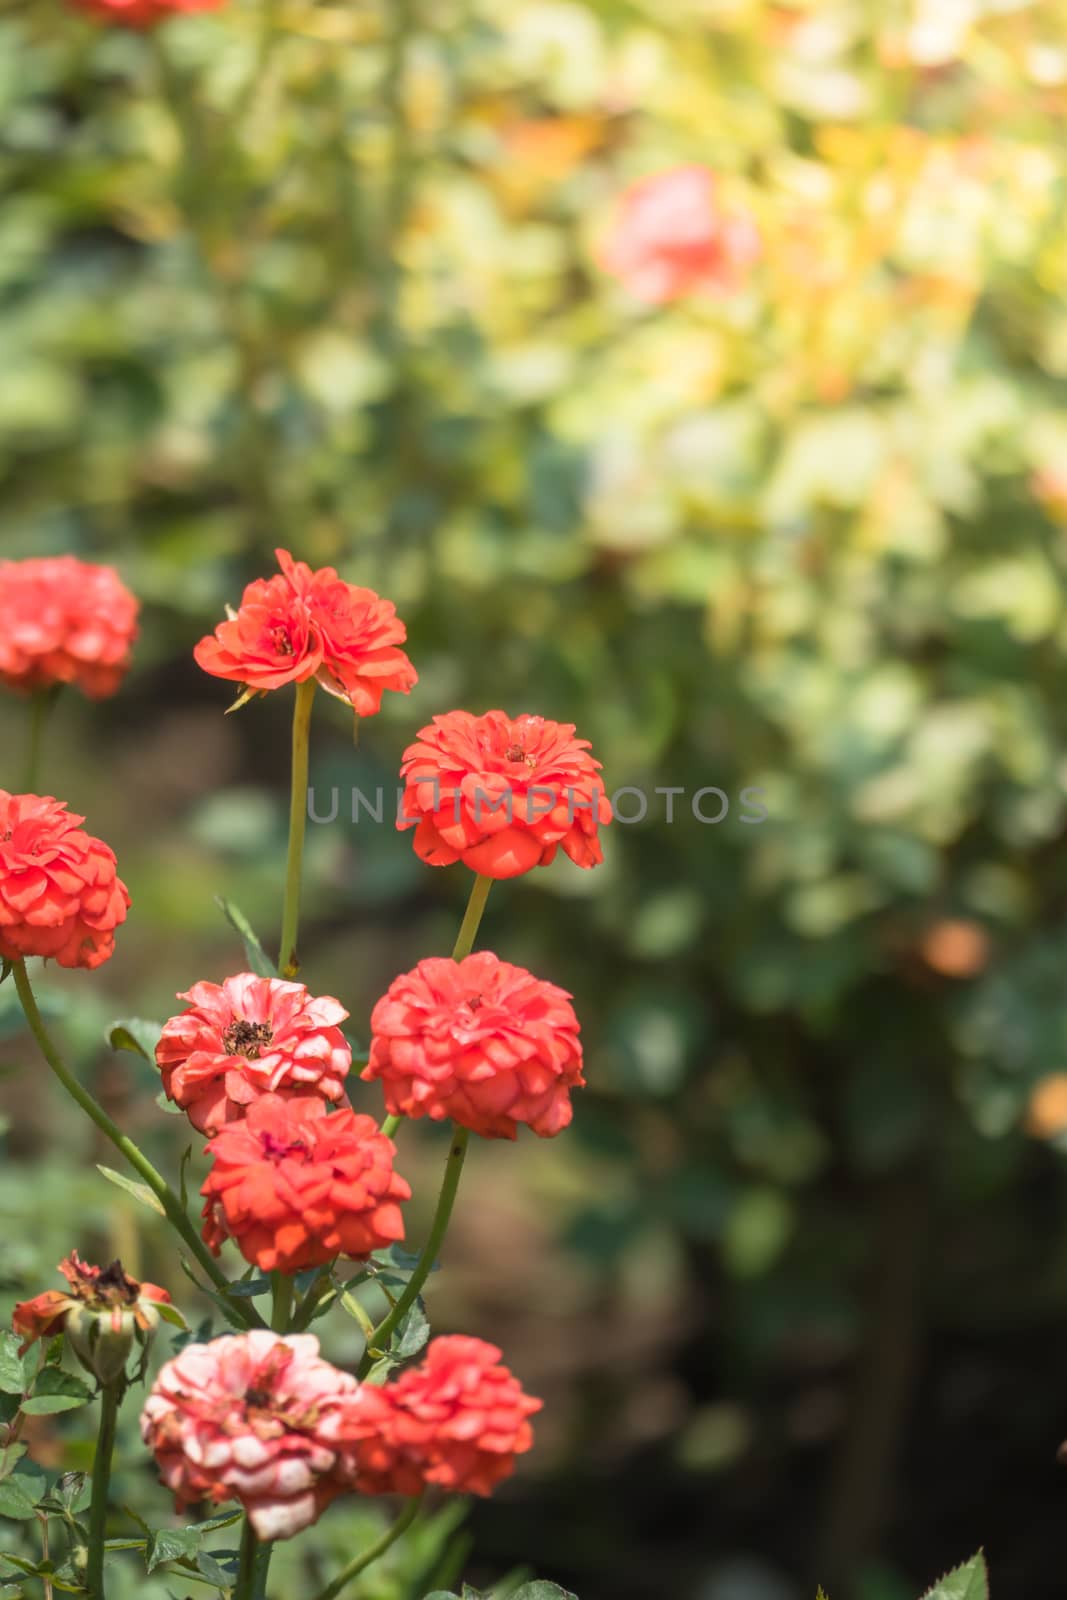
(266, 1421)
(480, 1041)
(672, 235)
(502, 794)
(304, 624)
(60, 895)
(294, 1187)
(64, 621)
(298, 1178)
(251, 1036)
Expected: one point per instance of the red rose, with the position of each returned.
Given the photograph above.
(63, 621)
(479, 1041)
(294, 1187)
(268, 643)
(60, 896)
(458, 1420)
(361, 635)
(501, 794)
(251, 1036)
(307, 624)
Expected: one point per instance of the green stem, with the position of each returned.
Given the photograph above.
(173, 1209)
(443, 1215)
(390, 1125)
(472, 917)
(288, 964)
(110, 1399)
(305, 1311)
(252, 1565)
(282, 1303)
(40, 707)
(368, 1557)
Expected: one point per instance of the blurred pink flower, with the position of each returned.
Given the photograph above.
(671, 236)
(142, 13)
(64, 621)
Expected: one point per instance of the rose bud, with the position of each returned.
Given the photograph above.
(105, 1315)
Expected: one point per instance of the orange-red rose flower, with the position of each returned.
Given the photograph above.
(103, 1313)
(458, 1421)
(250, 1036)
(479, 1041)
(64, 621)
(672, 236)
(255, 1418)
(268, 643)
(361, 635)
(142, 13)
(502, 794)
(294, 1187)
(60, 896)
(306, 624)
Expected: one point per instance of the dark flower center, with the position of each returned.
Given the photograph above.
(247, 1038)
(276, 1149)
(475, 1003)
(281, 641)
(258, 1398)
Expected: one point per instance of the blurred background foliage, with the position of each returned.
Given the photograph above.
(323, 275)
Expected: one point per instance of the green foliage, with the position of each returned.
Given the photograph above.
(258, 959)
(967, 1582)
(539, 1590)
(140, 1191)
(136, 1035)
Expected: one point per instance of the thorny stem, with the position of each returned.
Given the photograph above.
(173, 1209)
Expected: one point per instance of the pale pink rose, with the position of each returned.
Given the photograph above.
(259, 1419)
